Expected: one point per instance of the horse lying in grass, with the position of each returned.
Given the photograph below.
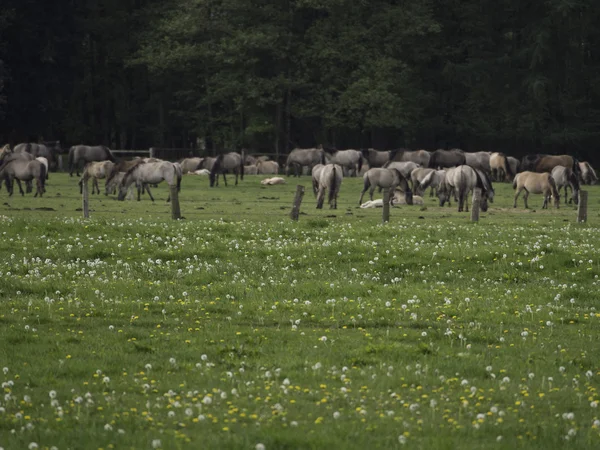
(536, 183)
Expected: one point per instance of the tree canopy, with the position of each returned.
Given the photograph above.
(502, 75)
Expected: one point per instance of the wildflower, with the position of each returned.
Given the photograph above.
(336, 415)
(402, 439)
(156, 443)
(260, 446)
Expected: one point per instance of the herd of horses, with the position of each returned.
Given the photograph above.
(449, 173)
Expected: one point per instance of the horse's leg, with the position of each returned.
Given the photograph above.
(516, 197)
(224, 178)
(149, 193)
(320, 197)
(20, 187)
(371, 192)
(236, 177)
(366, 186)
(525, 197)
(96, 186)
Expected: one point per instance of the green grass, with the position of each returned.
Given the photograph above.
(237, 326)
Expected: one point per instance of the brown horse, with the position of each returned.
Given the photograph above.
(545, 163)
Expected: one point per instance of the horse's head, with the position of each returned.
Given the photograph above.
(483, 203)
(5, 151)
(443, 193)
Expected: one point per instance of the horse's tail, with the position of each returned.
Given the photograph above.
(576, 168)
(552, 184)
(515, 182)
(333, 185)
(360, 162)
(43, 174)
(71, 159)
(243, 154)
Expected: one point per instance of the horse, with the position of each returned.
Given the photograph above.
(251, 170)
(88, 154)
(447, 158)
(250, 160)
(44, 161)
(122, 166)
(536, 183)
(190, 164)
(207, 163)
(38, 150)
(545, 163)
(376, 158)
(564, 177)
(23, 170)
(224, 162)
(304, 157)
(7, 155)
(514, 164)
(273, 181)
(478, 160)
(145, 173)
(404, 167)
(588, 174)
(316, 177)
(350, 160)
(96, 170)
(462, 180)
(423, 178)
(421, 157)
(267, 167)
(500, 166)
(385, 178)
(330, 178)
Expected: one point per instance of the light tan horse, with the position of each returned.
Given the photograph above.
(96, 170)
(316, 176)
(536, 183)
(267, 167)
(500, 168)
(330, 178)
(190, 164)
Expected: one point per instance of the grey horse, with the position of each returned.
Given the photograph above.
(304, 157)
(39, 150)
(229, 161)
(88, 154)
(376, 158)
(350, 160)
(385, 178)
(462, 180)
(23, 170)
(330, 179)
(478, 160)
(588, 174)
(564, 177)
(447, 158)
(420, 157)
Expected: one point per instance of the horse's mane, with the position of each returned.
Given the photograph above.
(134, 167)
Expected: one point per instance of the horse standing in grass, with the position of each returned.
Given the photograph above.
(420, 157)
(190, 164)
(375, 158)
(20, 169)
(423, 178)
(316, 176)
(385, 179)
(404, 167)
(478, 160)
(229, 161)
(461, 180)
(500, 167)
(88, 154)
(304, 157)
(447, 158)
(588, 174)
(330, 178)
(38, 150)
(350, 160)
(545, 163)
(150, 173)
(564, 177)
(96, 170)
(536, 183)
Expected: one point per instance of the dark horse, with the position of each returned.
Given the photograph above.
(376, 158)
(88, 154)
(229, 161)
(447, 158)
(36, 150)
(545, 163)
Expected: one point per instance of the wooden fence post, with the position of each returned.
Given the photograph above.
(174, 196)
(582, 207)
(85, 196)
(386, 205)
(297, 201)
(475, 205)
(151, 152)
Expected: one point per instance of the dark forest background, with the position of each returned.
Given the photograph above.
(518, 76)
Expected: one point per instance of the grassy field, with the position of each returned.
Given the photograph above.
(238, 328)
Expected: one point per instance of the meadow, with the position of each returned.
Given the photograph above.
(237, 328)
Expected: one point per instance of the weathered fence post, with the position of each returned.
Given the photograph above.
(151, 152)
(85, 196)
(386, 205)
(174, 196)
(582, 207)
(297, 201)
(475, 205)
